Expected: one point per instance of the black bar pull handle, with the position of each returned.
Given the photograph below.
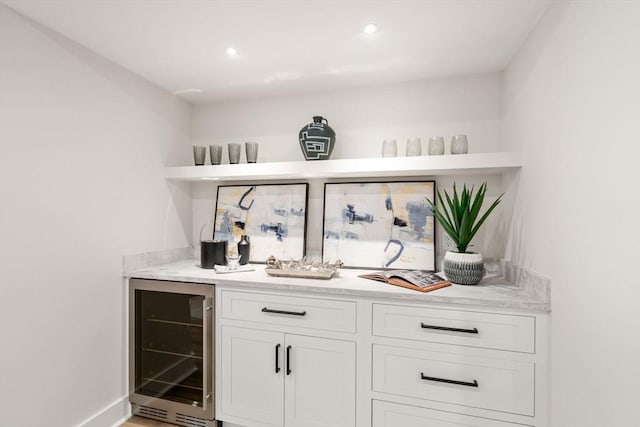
(291, 313)
(444, 380)
(445, 328)
(288, 360)
(277, 357)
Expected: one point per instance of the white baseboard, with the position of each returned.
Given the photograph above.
(113, 415)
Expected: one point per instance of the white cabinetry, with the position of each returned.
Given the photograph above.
(320, 386)
(251, 387)
(387, 414)
(276, 309)
(468, 328)
(468, 377)
(429, 365)
(303, 359)
(270, 376)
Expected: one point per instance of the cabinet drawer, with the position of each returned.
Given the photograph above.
(475, 329)
(312, 313)
(479, 378)
(387, 414)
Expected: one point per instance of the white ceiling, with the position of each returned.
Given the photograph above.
(291, 46)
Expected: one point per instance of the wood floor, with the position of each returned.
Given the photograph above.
(144, 422)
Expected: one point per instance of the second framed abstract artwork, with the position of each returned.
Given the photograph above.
(379, 225)
(272, 215)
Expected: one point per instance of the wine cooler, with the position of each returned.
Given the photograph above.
(171, 351)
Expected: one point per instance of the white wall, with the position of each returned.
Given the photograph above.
(362, 118)
(571, 104)
(84, 144)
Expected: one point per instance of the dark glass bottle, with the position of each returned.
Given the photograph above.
(244, 249)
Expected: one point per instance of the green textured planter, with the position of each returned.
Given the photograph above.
(463, 268)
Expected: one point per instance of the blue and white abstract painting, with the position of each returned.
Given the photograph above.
(379, 225)
(272, 215)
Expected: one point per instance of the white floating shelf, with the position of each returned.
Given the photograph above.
(468, 164)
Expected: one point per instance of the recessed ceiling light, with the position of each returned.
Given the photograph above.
(186, 91)
(370, 28)
(231, 51)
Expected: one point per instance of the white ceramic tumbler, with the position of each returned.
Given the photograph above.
(436, 146)
(459, 144)
(389, 148)
(414, 147)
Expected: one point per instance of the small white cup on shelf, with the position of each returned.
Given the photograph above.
(414, 147)
(436, 146)
(389, 148)
(459, 144)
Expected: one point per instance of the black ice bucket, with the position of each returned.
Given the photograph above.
(213, 252)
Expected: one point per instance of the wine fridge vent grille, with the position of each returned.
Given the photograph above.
(147, 411)
(190, 421)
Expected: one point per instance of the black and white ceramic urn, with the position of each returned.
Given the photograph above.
(317, 139)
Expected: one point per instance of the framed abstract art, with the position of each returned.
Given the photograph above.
(274, 216)
(379, 225)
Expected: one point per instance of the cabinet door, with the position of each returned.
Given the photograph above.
(320, 382)
(251, 387)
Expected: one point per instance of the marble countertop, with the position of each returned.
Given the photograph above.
(530, 293)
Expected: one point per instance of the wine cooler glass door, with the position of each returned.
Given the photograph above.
(169, 348)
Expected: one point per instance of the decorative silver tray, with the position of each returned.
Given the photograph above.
(303, 274)
(304, 269)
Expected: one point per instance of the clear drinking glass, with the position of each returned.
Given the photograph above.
(251, 151)
(389, 148)
(215, 152)
(459, 144)
(199, 154)
(233, 261)
(234, 153)
(414, 147)
(436, 146)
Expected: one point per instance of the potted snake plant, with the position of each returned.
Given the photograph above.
(461, 220)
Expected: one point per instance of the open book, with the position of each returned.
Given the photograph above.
(419, 280)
